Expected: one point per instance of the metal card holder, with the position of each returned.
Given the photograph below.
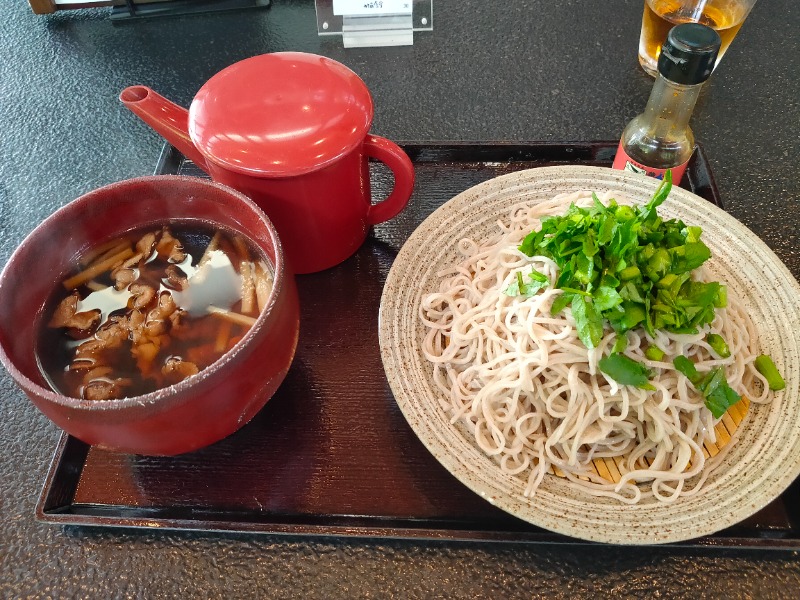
(369, 23)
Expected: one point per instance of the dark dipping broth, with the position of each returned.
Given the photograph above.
(149, 309)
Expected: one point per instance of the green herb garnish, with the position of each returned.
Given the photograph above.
(521, 287)
(686, 366)
(626, 371)
(588, 321)
(719, 396)
(632, 267)
(627, 267)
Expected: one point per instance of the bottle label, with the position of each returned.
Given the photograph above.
(625, 163)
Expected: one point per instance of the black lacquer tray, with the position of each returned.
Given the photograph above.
(331, 453)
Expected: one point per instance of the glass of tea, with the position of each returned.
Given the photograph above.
(724, 16)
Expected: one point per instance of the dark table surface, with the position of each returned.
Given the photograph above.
(490, 71)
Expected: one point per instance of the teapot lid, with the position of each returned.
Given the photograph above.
(280, 114)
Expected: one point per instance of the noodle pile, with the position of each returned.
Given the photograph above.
(530, 392)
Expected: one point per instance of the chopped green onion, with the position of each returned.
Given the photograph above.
(767, 368)
(718, 345)
(629, 273)
(721, 299)
(537, 276)
(654, 353)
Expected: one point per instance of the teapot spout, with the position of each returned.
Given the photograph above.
(167, 118)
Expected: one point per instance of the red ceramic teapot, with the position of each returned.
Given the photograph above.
(290, 130)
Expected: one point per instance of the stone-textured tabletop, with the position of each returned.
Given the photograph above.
(509, 70)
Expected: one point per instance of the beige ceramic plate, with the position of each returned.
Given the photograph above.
(761, 464)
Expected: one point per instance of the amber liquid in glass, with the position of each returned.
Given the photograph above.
(724, 16)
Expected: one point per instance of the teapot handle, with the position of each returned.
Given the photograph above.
(397, 160)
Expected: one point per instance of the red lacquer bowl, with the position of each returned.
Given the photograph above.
(188, 415)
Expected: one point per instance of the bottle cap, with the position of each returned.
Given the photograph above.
(689, 54)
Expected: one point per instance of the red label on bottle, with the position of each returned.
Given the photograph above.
(624, 162)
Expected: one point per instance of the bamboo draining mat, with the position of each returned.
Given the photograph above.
(609, 468)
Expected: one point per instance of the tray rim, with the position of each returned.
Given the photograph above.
(77, 514)
(170, 157)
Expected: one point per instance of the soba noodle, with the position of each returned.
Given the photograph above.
(532, 395)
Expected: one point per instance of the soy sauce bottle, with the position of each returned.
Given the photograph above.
(660, 137)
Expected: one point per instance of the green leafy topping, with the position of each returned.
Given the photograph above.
(588, 321)
(520, 287)
(628, 267)
(620, 343)
(560, 303)
(719, 396)
(767, 368)
(633, 267)
(606, 298)
(686, 366)
(654, 353)
(626, 371)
